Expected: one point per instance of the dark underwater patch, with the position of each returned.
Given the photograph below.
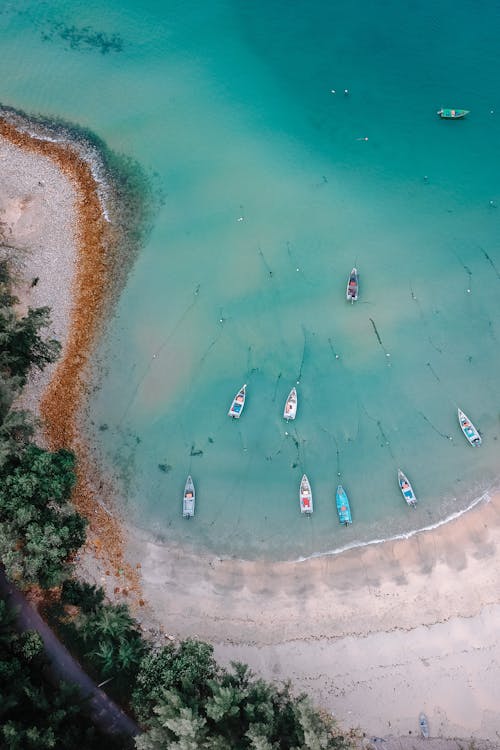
(83, 38)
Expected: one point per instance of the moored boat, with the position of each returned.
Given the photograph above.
(238, 403)
(352, 290)
(469, 430)
(290, 410)
(306, 500)
(343, 507)
(446, 113)
(189, 498)
(424, 725)
(406, 489)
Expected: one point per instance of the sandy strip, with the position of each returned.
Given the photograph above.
(53, 228)
(375, 635)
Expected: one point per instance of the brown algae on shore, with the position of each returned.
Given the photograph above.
(98, 279)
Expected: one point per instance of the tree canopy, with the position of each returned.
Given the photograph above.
(39, 528)
(35, 715)
(200, 706)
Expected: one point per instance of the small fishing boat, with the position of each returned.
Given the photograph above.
(452, 114)
(343, 507)
(238, 403)
(189, 499)
(406, 489)
(424, 725)
(306, 498)
(291, 405)
(469, 430)
(353, 285)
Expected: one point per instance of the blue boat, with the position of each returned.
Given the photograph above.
(446, 113)
(343, 508)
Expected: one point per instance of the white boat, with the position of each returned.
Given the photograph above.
(469, 430)
(238, 403)
(406, 489)
(352, 290)
(189, 498)
(306, 499)
(424, 726)
(291, 405)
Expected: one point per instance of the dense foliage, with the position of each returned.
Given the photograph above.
(104, 637)
(21, 343)
(33, 713)
(39, 529)
(226, 710)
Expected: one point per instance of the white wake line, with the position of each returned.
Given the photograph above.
(353, 545)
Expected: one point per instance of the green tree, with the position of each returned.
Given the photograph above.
(35, 715)
(16, 427)
(240, 712)
(109, 640)
(30, 644)
(185, 669)
(38, 527)
(21, 345)
(82, 594)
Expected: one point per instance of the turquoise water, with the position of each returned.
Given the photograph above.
(272, 188)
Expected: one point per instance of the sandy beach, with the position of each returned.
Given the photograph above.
(375, 635)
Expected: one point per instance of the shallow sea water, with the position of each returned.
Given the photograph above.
(273, 188)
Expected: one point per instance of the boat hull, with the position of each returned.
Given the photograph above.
(406, 489)
(471, 433)
(424, 726)
(343, 507)
(189, 499)
(290, 410)
(352, 290)
(445, 113)
(305, 496)
(238, 403)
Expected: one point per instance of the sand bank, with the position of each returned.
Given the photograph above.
(375, 634)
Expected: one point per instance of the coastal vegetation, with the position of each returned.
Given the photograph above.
(39, 529)
(179, 694)
(33, 712)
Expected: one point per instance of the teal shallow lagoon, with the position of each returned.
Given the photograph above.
(233, 113)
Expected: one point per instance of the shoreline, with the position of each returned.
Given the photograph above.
(91, 257)
(374, 634)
